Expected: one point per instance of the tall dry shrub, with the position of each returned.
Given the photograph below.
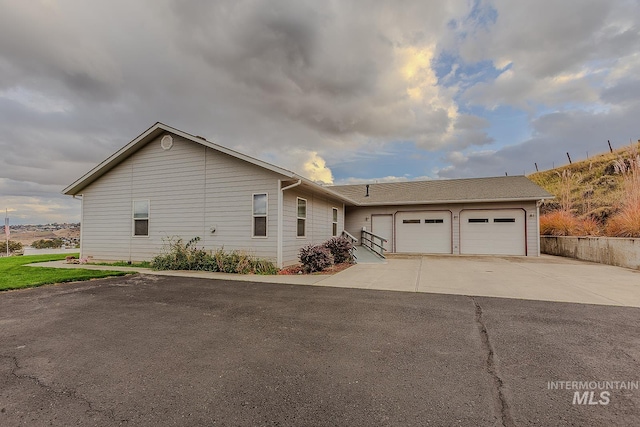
(626, 223)
(559, 223)
(568, 180)
(563, 222)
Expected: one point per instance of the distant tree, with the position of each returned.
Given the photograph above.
(13, 247)
(47, 243)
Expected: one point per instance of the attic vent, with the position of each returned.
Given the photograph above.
(166, 142)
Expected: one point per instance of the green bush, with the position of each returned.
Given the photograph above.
(187, 256)
(13, 246)
(47, 243)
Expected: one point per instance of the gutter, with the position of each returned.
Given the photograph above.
(439, 202)
(280, 219)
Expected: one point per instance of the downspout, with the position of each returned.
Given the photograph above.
(280, 220)
(81, 221)
(538, 203)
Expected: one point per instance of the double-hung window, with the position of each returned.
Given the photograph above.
(302, 218)
(260, 215)
(141, 218)
(334, 222)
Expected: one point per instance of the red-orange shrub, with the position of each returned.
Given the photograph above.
(559, 223)
(589, 227)
(625, 223)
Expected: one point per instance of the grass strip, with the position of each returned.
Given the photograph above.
(15, 275)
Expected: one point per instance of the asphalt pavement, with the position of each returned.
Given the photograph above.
(157, 350)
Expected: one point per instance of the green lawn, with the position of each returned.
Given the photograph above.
(14, 274)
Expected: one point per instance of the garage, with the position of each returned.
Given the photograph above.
(427, 232)
(493, 232)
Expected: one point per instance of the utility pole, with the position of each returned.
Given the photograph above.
(6, 227)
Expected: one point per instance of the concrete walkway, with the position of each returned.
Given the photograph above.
(546, 278)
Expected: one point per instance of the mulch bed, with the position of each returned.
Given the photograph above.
(297, 269)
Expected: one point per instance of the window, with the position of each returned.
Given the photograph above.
(140, 217)
(504, 220)
(434, 221)
(334, 222)
(477, 220)
(260, 215)
(302, 217)
(411, 221)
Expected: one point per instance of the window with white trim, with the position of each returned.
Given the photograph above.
(302, 218)
(334, 222)
(141, 218)
(260, 204)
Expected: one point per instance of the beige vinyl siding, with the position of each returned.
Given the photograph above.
(318, 224)
(191, 189)
(231, 184)
(107, 215)
(359, 217)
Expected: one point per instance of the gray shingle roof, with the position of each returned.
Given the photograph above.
(502, 188)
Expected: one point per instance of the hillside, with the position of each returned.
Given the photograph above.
(596, 188)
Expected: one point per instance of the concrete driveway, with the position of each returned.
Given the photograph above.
(158, 350)
(545, 278)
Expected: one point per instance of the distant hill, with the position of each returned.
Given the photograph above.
(596, 187)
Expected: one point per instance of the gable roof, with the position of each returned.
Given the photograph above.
(496, 189)
(159, 129)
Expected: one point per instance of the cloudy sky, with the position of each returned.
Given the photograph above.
(338, 91)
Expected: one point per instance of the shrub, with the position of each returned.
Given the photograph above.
(558, 223)
(341, 249)
(625, 223)
(180, 256)
(47, 243)
(13, 246)
(589, 227)
(315, 258)
(186, 256)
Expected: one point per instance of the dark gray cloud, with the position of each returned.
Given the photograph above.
(326, 81)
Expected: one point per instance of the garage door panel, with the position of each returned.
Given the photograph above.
(426, 232)
(493, 232)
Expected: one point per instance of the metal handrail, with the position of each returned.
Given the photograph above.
(353, 240)
(368, 241)
(349, 236)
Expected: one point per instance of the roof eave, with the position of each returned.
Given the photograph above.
(77, 186)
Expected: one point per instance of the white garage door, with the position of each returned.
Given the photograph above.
(427, 232)
(493, 232)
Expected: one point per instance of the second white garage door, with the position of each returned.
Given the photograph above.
(426, 232)
(493, 232)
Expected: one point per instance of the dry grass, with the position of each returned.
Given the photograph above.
(604, 190)
(599, 186)
(558, 223)
(626, 223)
(589, 227)
(565, 223)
